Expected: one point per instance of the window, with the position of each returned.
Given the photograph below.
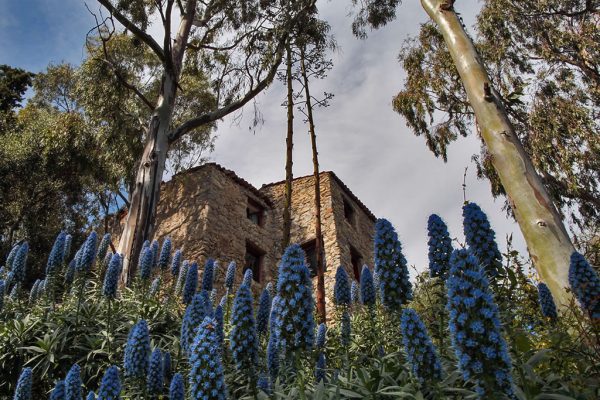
(310, 249)
(255, 212)
(357, 261)
(348, 212)
(253, 260)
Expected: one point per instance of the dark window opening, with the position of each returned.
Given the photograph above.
(357, 261)
(255, 212)
(253, 260)
(348, 212)
(310, 250)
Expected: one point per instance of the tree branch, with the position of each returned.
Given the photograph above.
(194, 123)
(140, 34)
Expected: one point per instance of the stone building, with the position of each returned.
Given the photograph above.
(209, 211)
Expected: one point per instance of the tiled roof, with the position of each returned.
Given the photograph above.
(339, 182)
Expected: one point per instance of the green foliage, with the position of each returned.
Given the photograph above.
(542, 58)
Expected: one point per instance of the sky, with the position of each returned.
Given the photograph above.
(359, 136)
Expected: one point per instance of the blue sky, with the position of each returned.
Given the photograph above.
(34, 33)
(360, 137)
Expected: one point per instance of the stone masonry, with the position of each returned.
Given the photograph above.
(209, 211)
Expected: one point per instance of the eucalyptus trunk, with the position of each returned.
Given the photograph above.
(141, 213)
(320, 267)
(289, 143)
(549, 244)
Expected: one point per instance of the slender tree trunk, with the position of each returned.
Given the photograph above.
(142, 210)
(549, 244)
(321, 311)
(289, 142)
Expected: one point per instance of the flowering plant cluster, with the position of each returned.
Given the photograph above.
(481, 239)
(420, 351)
(440, 246)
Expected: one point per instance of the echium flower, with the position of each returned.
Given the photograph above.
(191, 283)
(546, 300)
(145, 263)
(58, 393)
(341, 289)
(208, 275)
(70, 273)
(88, 253)
(155, 249)
(440, 246)
(111, 278)
(195, 313)
(481, 239)
(206, 377)
(213, 296)
(585, 283)
(55, 259)
(263, 313)
(271, 289)
(230, 275)
(345, 328)
(354, 293)
(2, 292)
(263, 384)
(73, 384)
(14, 293)
(220, 325)
(377, 284)
(11, 256)
(475, 327)
(110, 387)
(176, 263)
(395, 286)
(154, 287)
(91, 395)
(296, 325)
(420, 351)
(321, 336)
(320, 368)
(23, 390)
(243, 338)
(165, 254)
(19, 264)
(66, 252)
(33, 294)
(367, 287)
(137, 351)
(177, 388)
(167, 366)
(154, 380)
(183, 271)
(103, 246)
(248, 276)
(273, 344)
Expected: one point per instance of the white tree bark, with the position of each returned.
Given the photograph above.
(547, 240)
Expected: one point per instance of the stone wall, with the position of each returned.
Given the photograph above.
(204, 213)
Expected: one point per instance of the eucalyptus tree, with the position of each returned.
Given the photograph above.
(230, 49)
(528, 86)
